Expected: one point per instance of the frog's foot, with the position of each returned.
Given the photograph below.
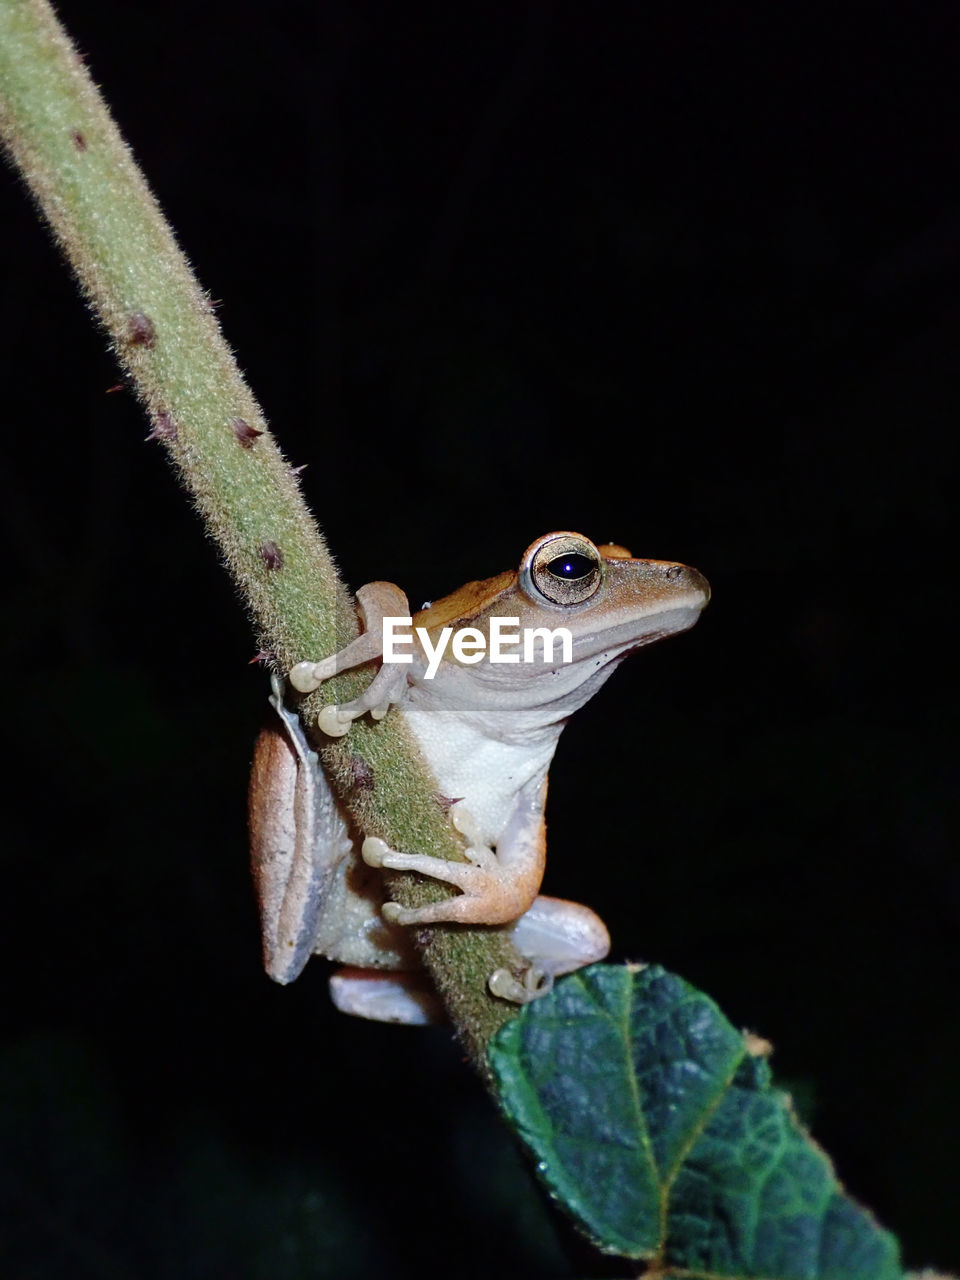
(533, 983)
(377, 600)
(487, 895)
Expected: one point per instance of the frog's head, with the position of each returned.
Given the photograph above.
(610, 601)
(606, 600)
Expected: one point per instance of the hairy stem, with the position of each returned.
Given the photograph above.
(160, 323)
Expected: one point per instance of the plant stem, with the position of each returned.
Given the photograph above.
(160, 323)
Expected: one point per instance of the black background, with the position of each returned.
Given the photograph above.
(682, 276)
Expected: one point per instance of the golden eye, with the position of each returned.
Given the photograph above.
(565, 568)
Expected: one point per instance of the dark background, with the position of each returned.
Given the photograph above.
(678, 275)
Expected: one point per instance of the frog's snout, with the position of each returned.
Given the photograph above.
(687, 579)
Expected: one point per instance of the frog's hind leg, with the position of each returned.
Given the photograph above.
(560, 936)
(407, 998)
(555, 937)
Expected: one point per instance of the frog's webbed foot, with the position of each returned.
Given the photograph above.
(377, 600)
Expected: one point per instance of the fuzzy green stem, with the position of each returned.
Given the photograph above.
(160, 324)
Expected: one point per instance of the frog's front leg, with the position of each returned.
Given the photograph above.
(377, 600)
(495, 888)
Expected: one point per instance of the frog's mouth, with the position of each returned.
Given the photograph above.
(635, 633)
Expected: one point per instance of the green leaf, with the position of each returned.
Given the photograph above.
(659, 1130)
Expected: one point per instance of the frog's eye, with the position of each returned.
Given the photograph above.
(565, 568)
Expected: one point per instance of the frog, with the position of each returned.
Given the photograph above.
(486, 710)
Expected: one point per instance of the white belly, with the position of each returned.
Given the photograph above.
(471, 765)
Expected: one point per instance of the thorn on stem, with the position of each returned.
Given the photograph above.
(362, 774)
(445, 803)
(140, 330)
(164, 427)
(246, 435)
(271, 555)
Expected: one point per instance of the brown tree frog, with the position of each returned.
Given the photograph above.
(486, 711)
